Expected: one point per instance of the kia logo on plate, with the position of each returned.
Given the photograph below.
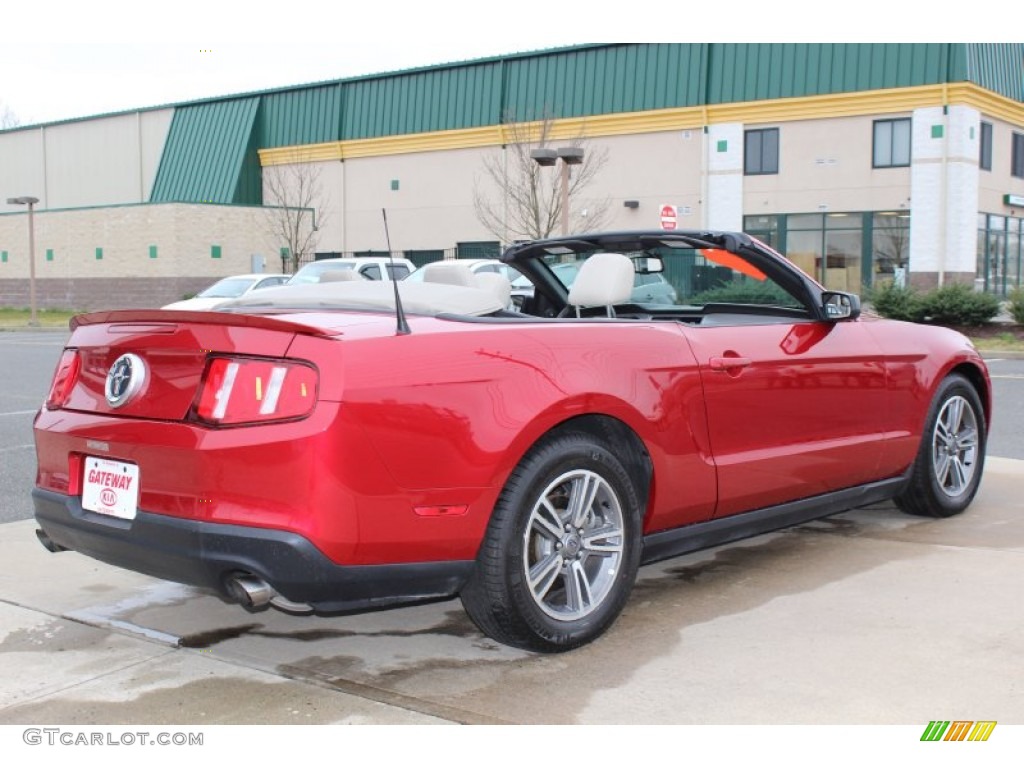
(108, 497)
(124, 379)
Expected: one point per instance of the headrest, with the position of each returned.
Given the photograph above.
(604, 279)
(449, 272)
(499, 285)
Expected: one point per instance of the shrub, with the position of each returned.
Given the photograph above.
(744, 293)
(1016, 297)
(896, 303)
(958, 305)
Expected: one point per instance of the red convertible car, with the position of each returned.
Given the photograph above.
(328, 448)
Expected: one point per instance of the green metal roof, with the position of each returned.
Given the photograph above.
(211, 150)
(205, 157)
(998, 67)
(301, 116)
(756, 71)
(595, 81)
(466, 96)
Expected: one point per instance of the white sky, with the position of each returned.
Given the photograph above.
(61, 59)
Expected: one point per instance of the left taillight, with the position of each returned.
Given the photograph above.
(238, 390)
(64, 379)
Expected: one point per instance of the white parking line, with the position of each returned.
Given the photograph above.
(19, 413)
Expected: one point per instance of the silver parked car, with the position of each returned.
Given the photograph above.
(229, 288)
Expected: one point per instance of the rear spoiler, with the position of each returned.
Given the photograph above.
(175, 317)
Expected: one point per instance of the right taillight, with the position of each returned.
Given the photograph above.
(63, 379)
(238, 390)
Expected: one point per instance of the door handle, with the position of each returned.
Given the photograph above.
(727, 363)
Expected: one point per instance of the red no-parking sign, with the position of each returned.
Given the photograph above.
(668, 217)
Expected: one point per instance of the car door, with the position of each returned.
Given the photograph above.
(794, 409)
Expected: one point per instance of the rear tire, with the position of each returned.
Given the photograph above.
(948, 467)
(562, 549)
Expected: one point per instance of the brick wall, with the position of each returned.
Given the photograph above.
(86, 293)
(129, 256)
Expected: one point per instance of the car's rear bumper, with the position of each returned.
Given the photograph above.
(208, 554)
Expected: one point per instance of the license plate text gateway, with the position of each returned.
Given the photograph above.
(111, 487)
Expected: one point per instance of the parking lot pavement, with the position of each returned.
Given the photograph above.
(868, 617)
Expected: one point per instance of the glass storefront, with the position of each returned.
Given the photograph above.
(845, 251)
(999, 253)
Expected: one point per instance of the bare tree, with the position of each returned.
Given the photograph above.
(892, 246)
(7, 117)
(294, 198)
(515, 198)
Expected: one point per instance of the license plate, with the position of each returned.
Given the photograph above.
(111, 487)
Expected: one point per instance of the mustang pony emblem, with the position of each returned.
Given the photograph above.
(124, 379)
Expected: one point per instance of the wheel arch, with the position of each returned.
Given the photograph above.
(636, 459)
(977, 379)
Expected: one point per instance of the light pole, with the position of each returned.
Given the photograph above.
(568, 156)
(30, 202)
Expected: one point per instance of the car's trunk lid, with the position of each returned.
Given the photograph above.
(172, 349)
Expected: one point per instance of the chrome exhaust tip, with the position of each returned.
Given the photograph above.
(250, 591)
(253, 592)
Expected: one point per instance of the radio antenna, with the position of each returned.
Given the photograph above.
(403, 326)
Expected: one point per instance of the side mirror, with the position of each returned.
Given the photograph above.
(840, 306)
(648, 265)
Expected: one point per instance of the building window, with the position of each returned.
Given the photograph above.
(761, 151)
(890, 247)
(765, 229)
(1017, 159)
(985, 158)
(891, 143)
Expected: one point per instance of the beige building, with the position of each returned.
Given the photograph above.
(863, 163)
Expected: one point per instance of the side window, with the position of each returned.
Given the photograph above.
(761, 152)
(711, 276)
(891, 143)
(397, 271)
(1017, 156)
(371, 271)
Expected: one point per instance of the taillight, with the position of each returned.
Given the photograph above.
(238, 390)
(64, 379)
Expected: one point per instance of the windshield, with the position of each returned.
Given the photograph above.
(228, 288)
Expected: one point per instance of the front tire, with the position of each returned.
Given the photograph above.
(562, 549)
(948, 468)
